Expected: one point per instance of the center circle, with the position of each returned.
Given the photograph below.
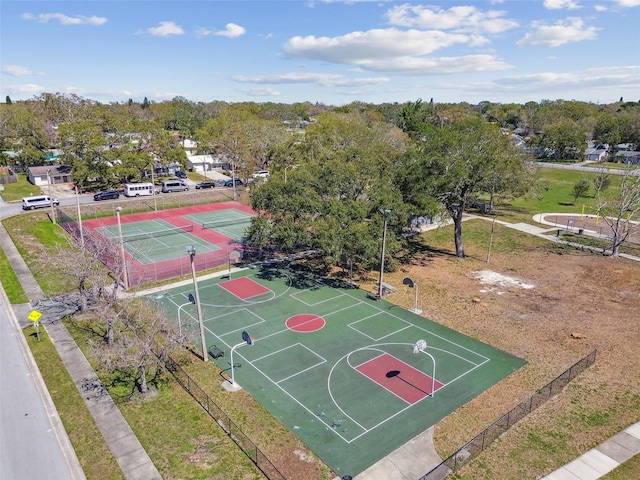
(305, 323)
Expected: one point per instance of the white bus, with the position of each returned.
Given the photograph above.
(138, 189)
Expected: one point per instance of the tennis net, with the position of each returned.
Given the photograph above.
(157, 233)
(226, 223)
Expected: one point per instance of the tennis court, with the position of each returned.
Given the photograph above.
(155, 242)
(352, 377)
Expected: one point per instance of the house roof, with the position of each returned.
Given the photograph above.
(55, 170)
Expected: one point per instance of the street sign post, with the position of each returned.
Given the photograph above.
(34, 316)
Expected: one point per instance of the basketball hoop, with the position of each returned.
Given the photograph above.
(420, 346)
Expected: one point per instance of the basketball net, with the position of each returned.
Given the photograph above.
(419, 346)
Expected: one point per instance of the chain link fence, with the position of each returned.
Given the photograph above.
(248, 447)
(473, 448)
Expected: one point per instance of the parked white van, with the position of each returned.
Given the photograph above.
(38, 201)
(174, 186)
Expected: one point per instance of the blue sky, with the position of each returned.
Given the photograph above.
(328, 51)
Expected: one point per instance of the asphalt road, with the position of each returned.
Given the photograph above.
(29, 424)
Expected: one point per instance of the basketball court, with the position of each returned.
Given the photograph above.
(352, 377)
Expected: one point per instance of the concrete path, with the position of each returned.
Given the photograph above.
(125, 446)
(603, 459)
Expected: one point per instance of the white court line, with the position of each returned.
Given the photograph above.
(322, 360)
(358, 301)
(295, 296)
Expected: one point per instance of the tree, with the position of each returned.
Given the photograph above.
(458, 162)
(8, 100)
(618, 209)
(342, 176)
(580, 189)
(144, 340)
(565, 138)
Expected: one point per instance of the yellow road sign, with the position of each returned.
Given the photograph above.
(34, 316)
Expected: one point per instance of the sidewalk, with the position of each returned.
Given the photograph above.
(125, 446)
(603, 459)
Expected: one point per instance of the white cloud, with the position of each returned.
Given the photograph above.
(394, 52)
(18, 71)
(232, 30)
(435, 65)
(552, 80)
(627, 3)
(24, 89)
(569, 30)
(165, 29)
(357, 47)
(350, 1)
(65, 19)
(459, 18)
(583, 85)
(261, 92)
(323, 79)
(561, 4)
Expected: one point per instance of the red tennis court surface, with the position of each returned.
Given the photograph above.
(244, 288)
(399, 378)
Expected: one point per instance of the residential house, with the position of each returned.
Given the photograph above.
(596, 153)
(39, 176)
(189, 145)
(627, 157)
(208, 163)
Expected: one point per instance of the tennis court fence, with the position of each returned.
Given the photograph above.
(106, 248)
(481, 441)
(248, 446)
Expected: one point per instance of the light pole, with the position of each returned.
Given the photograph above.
(79, 218)
(125, 279)
(153, 187)
(53, 213)
(385, 215)
(233, 179)
(191, 250)
(191, 301)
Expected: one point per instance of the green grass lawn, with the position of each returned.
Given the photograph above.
(13, 192)
(10, 282)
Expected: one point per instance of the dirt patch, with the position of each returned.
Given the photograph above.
(550, 306)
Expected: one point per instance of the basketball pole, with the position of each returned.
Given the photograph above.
(433, 376)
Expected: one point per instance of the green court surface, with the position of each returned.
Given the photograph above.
(230, 222)
(347, 374)
(153, 241)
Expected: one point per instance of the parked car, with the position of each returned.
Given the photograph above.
(174, 186)
(261, 174)
(208, 184)
(229, 183)
(106, 195)
(39, 201)
(181, 174)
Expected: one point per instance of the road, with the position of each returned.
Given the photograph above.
(33, 443)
